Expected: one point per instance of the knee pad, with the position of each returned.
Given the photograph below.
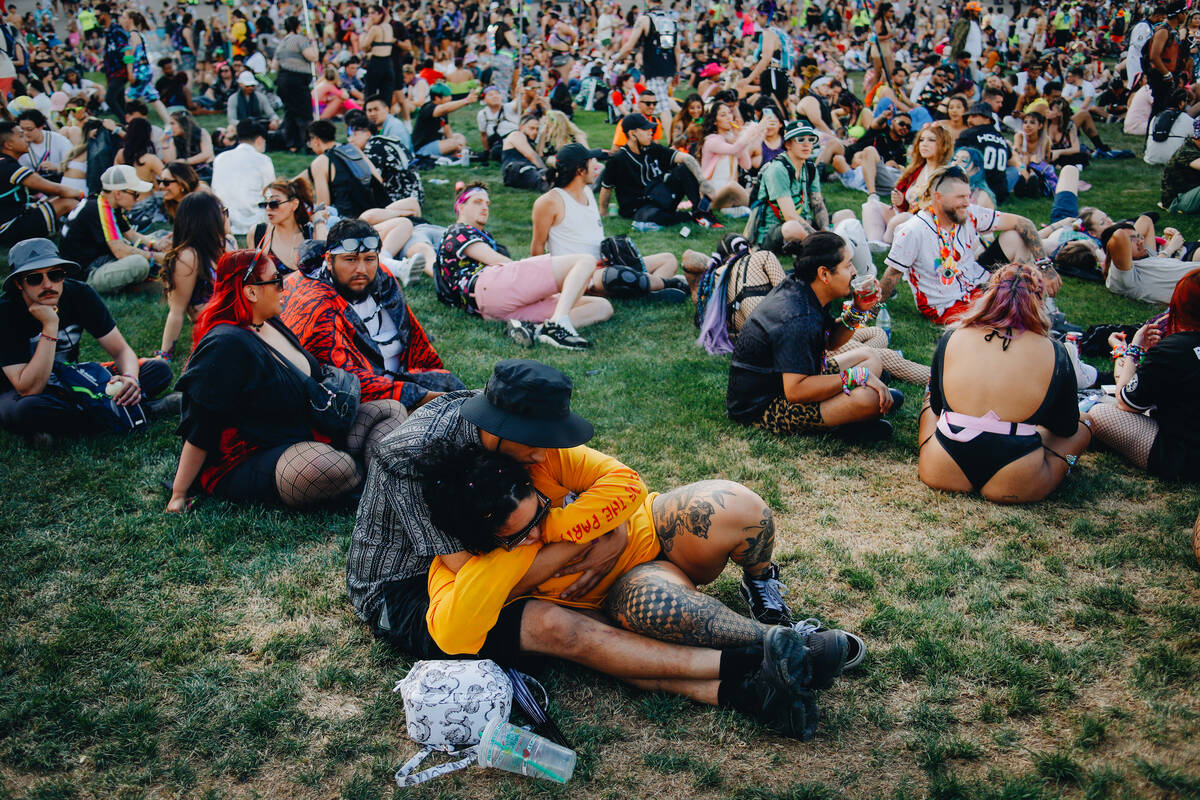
(625, 283)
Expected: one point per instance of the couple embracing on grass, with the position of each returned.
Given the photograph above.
(488, 528)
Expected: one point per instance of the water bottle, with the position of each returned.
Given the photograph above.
(884, 321)
(437, 181)
(646, 225)
(505, 746)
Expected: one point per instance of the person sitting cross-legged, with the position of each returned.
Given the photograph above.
(1157, 374)
(781, 378)
(539, 298)
(935, 251)
(43, 315)
(485, 518)
(349, 311)
(249, 393)
(1002, 417)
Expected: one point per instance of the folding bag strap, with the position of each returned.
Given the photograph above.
(406, 777)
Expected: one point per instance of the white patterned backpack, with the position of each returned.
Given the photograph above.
(447, 704)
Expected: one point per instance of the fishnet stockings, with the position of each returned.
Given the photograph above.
(893, 362)
(759, 269)
(1129, 434)
(375, 420)
(313, 472)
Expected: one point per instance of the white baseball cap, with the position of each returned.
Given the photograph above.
(246, 78)
(123, 177)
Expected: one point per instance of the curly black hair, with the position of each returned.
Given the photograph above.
(471, 491)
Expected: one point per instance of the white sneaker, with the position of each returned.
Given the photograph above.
(737, 212)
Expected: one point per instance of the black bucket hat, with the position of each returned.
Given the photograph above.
(529, 403)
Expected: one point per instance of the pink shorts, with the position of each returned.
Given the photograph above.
(524, 290)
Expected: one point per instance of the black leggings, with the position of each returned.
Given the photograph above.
(381, 79)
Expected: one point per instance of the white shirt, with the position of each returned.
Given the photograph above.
(1151, 279)
(239, 177)
(53, 150)
(1084, 91)
(917, 245)
(1138, 37)
(382, 330)
(580, 230)
(1159, 153)
(506, 119)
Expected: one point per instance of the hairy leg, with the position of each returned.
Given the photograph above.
(703, 525)
(657, 600)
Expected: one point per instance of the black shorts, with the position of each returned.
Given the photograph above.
(253, 481)
(401, 623)
(993, 257)
(36, 221)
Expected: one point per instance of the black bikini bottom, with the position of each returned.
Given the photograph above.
(988, 453)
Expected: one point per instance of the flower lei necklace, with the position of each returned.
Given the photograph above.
(946, 262)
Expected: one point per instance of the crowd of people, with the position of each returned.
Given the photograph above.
(485, 524)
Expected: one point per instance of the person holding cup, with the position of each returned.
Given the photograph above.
(783, 378)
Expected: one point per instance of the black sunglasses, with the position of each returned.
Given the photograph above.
(36, 278)
(651, 103)
(273, 204)
(514, 539)
(277, 281)
(167, 181)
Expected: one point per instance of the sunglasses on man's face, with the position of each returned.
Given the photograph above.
(36, 278)
(514, 539)
(649, 103)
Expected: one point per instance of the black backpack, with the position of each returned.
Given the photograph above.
(101, 153)
(365, 190)
(1160, 126)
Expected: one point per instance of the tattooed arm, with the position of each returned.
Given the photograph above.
(1025, 229)
(820, 214)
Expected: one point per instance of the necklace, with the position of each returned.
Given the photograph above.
(257, 328)
(945, 264)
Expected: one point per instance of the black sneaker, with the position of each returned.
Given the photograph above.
(169, 405)
(677, 282)
(897, 400)
(668, 294)
(774, 693)
(871, 430)
(764, 595)
(523, 333)
(856, 648)
(557, 336)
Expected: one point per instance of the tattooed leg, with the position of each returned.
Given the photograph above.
(703, 525)
(653, 600)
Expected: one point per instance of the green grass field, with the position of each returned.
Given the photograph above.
(1028, 652)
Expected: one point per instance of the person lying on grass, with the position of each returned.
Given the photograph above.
(782, 379)
(539, 298)
(1153, 423)
(701, 649)
(1001, 416)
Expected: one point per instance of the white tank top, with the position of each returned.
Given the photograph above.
(580, 230)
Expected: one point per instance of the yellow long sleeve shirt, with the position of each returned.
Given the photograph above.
(590, 494)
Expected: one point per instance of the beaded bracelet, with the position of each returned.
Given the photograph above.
(854, 377)
(1128, 351)
(165, 355)
(48, 337)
